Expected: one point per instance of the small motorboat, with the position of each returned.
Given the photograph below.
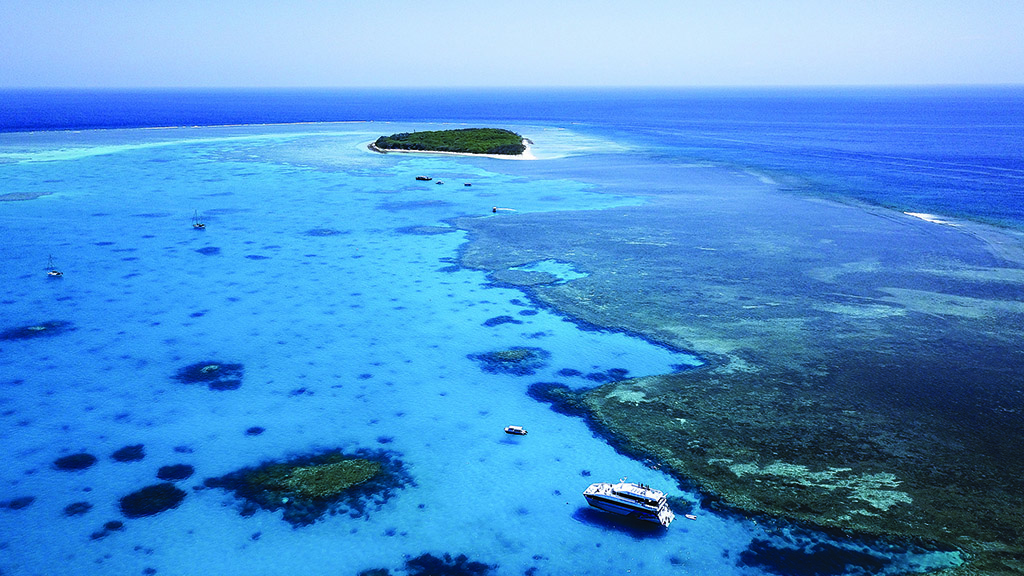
(517, 430)
(424, 178)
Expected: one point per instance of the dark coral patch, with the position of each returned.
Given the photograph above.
(209, 251)
(446, 565)
(255, 431)
(515, 361)
(427, 230)
(429, 565)
(562, 399)
(222, 385)
(74, 462)
(77, 509)
(257, 257)
(610, 375)
(18, 503)
(320, 232)
(216, 375)
(51, 328)
(499, 320)
(816, 559)
(175, 472)
(151, 500)
(308, 487)
(108, 527)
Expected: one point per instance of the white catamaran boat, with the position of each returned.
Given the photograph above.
(632, 500)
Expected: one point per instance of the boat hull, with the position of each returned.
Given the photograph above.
(609, 505)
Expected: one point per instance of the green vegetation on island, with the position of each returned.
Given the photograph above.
(465, 141)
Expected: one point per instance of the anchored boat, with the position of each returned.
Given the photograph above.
(51, 269)
(631, 500)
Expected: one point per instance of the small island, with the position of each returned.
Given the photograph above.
(486, 141)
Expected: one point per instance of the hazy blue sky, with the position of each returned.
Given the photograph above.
(523, 43)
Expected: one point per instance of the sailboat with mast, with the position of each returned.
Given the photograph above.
(197, 224)
(51, 269)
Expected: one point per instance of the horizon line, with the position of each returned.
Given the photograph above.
(533, 87)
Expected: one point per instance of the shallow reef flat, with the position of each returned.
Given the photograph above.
(862, 366)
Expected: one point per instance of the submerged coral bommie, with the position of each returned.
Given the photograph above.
(322, 232)
(521, 361)
(308, 487)
(74, 462)
(445, 565)
(175, 472)
(216, 375)
(151, 500)
(328, 480)
(130, 453)
(51, 328)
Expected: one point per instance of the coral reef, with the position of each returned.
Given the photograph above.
(430, 565)
(861, 373)
(216, 375)
(108, 528)
(524, 278)
(77, 508)
(307, 487)
(522, 361)
(561, 398)
(175, 472)
(132, 453)
(18, 503)
(209, 251)
(322, 232)
(79, 461)
(45, 329)
(151, 500)
(427, 230)
(499, 320)
(816, 559)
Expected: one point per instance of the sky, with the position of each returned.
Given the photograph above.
(461, 43)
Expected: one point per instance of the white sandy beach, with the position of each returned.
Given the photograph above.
(931, 218)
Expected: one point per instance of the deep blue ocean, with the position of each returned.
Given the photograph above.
(327, 299)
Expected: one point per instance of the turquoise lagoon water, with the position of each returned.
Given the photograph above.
(331, 275)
